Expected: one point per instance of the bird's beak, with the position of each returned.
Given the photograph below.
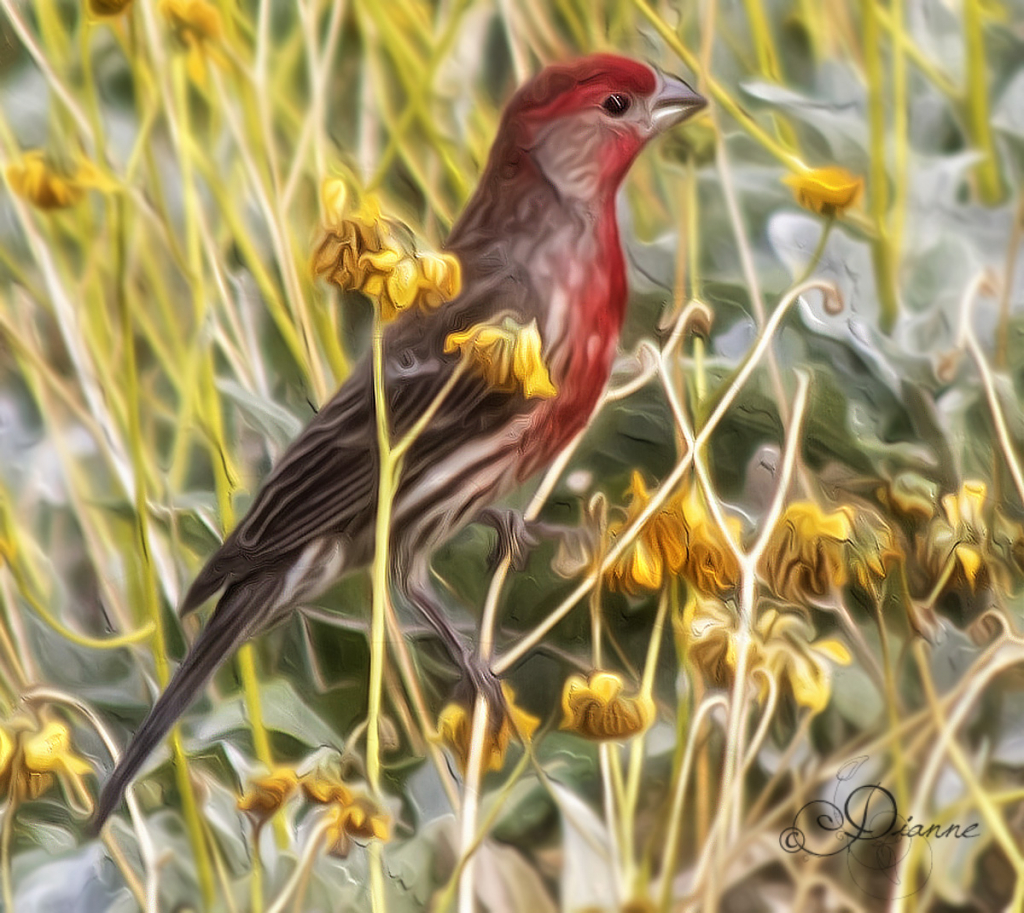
(673, 103)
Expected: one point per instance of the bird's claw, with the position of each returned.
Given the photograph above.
(516, 537)
(480, 680)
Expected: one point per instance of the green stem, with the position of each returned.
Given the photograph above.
(636, 748)
(901, 149)
(768, 64)
(907, 45)
(892, 710)
(151, 601)
(990, 181)
(379, 606)
(881, 247)
(720, 94)
(812, 263)
(378, 613)
(764, 46)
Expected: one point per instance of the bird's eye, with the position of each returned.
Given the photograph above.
(616, 105)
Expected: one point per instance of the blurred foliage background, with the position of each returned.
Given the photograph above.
(818, 402)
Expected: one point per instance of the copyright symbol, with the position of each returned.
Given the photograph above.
(792, 840)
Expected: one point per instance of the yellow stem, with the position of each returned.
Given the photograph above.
(881, 248)
(143, 632)
(990, 180)
(150, 597)
(636, 748)
(380, 596)
(378, 614)
(901, 150)
(720, 94)
(907, 45)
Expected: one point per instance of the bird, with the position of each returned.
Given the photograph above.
(539, 242)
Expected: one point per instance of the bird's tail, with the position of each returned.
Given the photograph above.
(236, 618)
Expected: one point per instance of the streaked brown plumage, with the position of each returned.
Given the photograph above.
(538, 241)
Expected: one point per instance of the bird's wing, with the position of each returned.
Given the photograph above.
(326, 481)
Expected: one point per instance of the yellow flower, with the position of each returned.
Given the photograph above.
(806, 556)
(709, 562)
(197, 25)
(333, 200)
(361, 820)
(962, 536)
(964, 512)
(657, 550)
(6, 757)
(45, 754)
(911, 495)
(193, 20)
(35, 179)
(455, 725)
(323, 786)
(872, 550)
(441, 278)
(508, 356)
(779, 648)
(108, 7)
(708, 632)
(681, 539)
(596, 708)
(827, 191)
(788, 656)
(365, 252)
(269, 793)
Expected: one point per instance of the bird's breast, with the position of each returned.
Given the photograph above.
(581, 334)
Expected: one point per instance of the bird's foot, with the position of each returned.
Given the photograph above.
(517, 536)
(479, 680)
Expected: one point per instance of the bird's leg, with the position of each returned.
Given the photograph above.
(517, 536)
(476, 673)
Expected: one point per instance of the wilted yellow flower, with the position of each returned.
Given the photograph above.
(6, 756)
(46, 754)
(455, 725)
(194, 21)
(364, 251)
(197, 25)
(34, 178)
(708, 630)
(806, 556)
(440, 278)
(872, 550)
(709, 562)
(269, 793)
(657, 550)
(681, 539)
(361, 820)
(964, 513)
(962, 536)
(790, 658)
(334, 200)
(827, 191)
(108, 7)
(324, 787)
(596, 708)
(779, 648)
(507, 355)
(912, 495)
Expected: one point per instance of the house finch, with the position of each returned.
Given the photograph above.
(537, 242)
